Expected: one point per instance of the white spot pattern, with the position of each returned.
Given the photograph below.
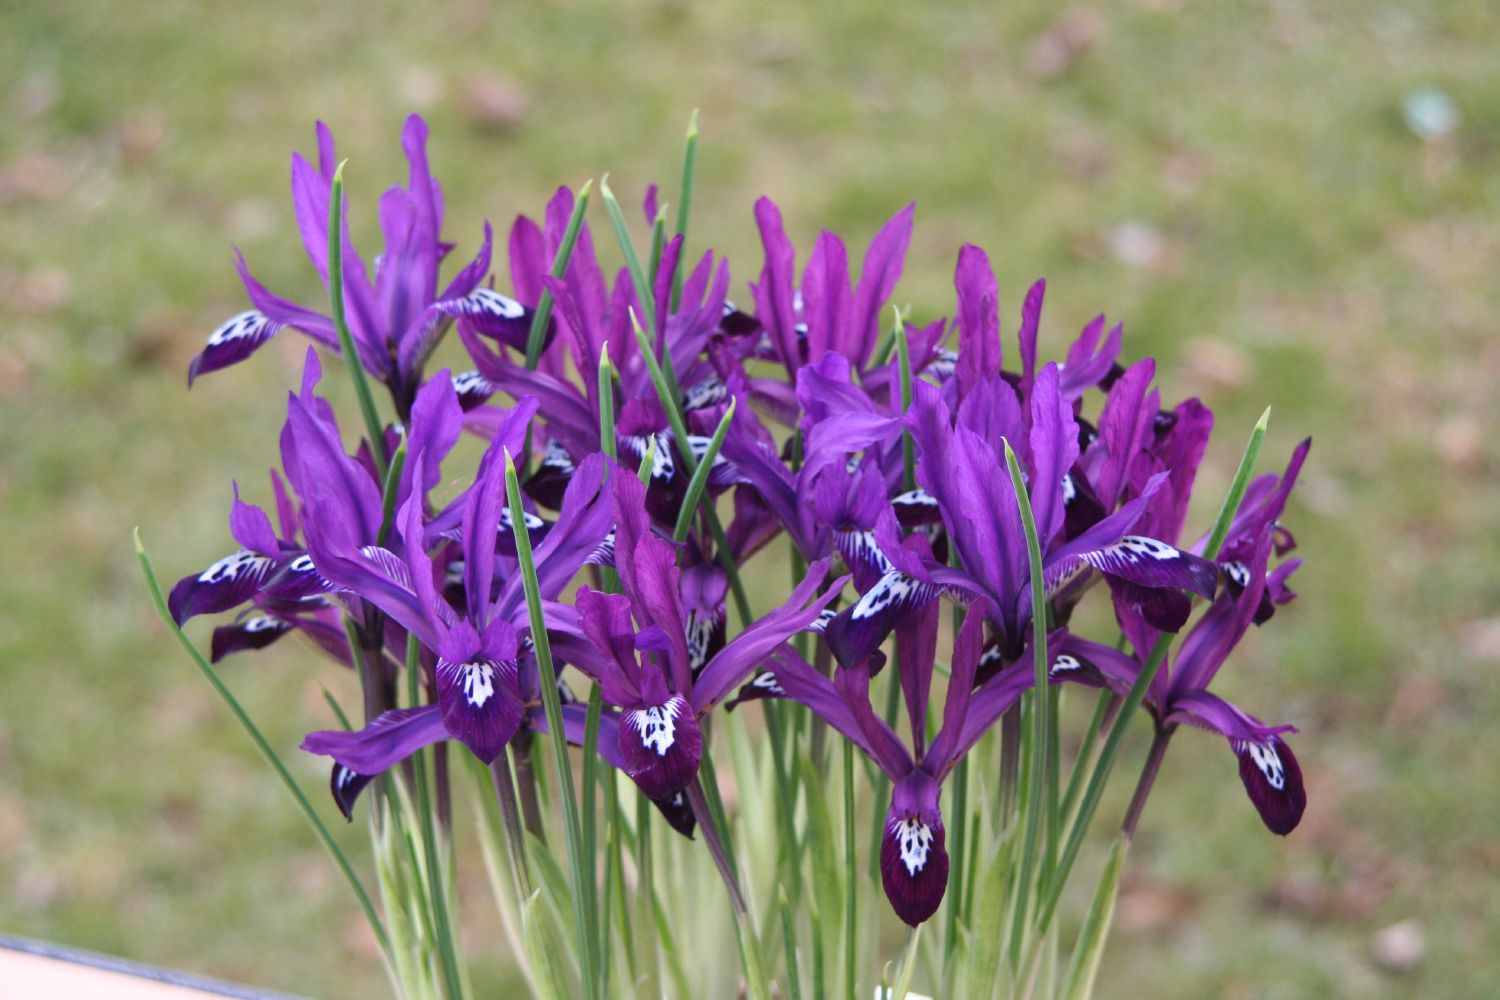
(700, 630)
(891, 589)
(1069, 491)
(229, 569)
(706, 393)
(241, 326)
(1142, 547)
(465, 383)
(1238, 573)
(478, 680)
(1268, 761)
(656, 727)
(488, 302)
(557, 457)
(262, 623)
(767, 681)
(1064, 663)
(915, 841)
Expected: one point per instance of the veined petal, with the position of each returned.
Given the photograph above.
(858, 630)
(496, 316)
(233, 341)
(660, 746)
(226, 584)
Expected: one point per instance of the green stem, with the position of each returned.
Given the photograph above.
(373, 427)
(436, 874)
(1037, 799)
(581, 867)
(672, 403)
(851, 875)
(699, 482)
(160, 600)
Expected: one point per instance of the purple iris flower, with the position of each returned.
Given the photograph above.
(1179, 692)
(480, 677)
(645, 669)
(913, 853)
(397, 318)
(961, 466)
(272, 569)
(590, 321)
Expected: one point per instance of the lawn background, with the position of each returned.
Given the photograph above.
(1237, 182)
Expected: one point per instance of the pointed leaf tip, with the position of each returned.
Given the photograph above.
(1265, 421)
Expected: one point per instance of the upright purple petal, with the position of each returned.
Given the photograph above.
(825, 295)
(979, 319)
(1054, 448)
(773, 296)
(879, 273)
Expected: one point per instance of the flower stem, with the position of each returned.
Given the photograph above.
(1148, 778)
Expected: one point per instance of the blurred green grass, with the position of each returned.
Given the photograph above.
(1233, 181)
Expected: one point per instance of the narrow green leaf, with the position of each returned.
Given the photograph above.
(851, 877)
(1083, 969)
(543, 314)
(1041, 694)
(606, 404)
(658, 241)
(789, 939)
(259, 739)
(671, 402)
(908, 967)
(581, 867)
(644, 298)
(699, 482)
(1101, 771)
(374, 429)
(685, 202)
(541, 951)
(392, 488)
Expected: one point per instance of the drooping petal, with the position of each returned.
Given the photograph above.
(254, 632)
(233, 341)
(859, 630)
(660, 746)
(968, 646)
(913, 850)
(390, 737)
(1273, 780)
(480, 703)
